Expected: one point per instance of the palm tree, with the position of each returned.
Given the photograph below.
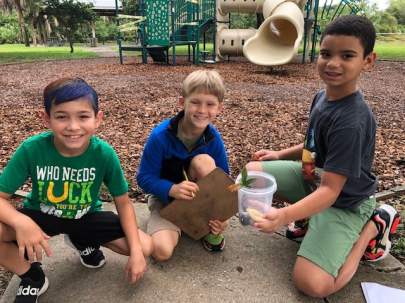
(8, 5)
(24, 31)
(33, 16)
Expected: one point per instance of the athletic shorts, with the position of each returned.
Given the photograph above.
(332, 232)
(156, 222)
(93, 229)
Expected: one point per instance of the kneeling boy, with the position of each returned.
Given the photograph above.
(179, 152)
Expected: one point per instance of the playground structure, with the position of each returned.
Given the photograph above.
(283, 26)
(277, 39)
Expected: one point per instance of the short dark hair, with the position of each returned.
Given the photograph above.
(356, 26)
(69, 89)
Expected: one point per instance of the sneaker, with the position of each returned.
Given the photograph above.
(297, 230)
(90, 257)
(386, 218)
(213, 243)
(29, 290)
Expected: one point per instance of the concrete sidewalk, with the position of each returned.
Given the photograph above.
(254, 267)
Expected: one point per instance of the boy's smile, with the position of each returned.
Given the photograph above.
(341, 60)
(200, 109)
(73, 123)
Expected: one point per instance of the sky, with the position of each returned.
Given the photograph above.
(382, 4)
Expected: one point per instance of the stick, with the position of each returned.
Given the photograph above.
(185, 177)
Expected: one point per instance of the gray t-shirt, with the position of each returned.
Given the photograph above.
(341, 139)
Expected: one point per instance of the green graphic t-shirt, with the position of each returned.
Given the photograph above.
(65, 187)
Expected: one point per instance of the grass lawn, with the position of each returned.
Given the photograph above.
(386, 50)
(13, 53)
(181, 50)
(390, 50)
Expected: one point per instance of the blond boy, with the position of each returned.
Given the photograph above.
(179, 152)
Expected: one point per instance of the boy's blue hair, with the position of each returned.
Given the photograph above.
(69, 89)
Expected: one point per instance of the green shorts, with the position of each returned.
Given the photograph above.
(331, 233)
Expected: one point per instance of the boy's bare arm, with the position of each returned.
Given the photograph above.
(323, 197)
(320, 199)
(29, 236)
(291, 153)
(136, 263)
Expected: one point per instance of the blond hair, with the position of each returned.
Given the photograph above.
(204, 81)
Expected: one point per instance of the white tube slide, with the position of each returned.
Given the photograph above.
(274, 43)
(277, 40)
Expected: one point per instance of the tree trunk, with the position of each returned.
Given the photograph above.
(21, 22)
(71, 45)
(34, 32)
(42, 34)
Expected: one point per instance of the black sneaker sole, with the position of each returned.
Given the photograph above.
(101, 264)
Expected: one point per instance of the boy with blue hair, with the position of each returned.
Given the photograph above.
(333, 184)
(179, 152)
(67, 167)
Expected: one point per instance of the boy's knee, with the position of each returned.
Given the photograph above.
(148, 248)
(317, 288)
(201, 165)
(254, 166)
(4, 233)
(162, 252)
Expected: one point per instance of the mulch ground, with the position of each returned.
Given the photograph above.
(264, 108)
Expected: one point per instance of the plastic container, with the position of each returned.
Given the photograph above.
(256, 199)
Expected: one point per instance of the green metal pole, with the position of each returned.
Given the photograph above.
(315, 31)
(172, 10)
(197, 51)
(308, 7)
(143, 33)
(119, 33)
(214, 42)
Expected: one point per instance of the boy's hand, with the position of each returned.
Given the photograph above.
(135, 268)
(218, 227)
(31, 239)
(272, 220)
(265, 154)
(185, 190)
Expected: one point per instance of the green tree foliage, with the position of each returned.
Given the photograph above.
(70, 16)
(397, 9)
(130, 7)
(386, 23)
(105, 30)
(9, 28)
(243, 21)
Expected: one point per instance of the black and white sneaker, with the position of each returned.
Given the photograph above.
(90, 257)
(29, 290)
(386, 219)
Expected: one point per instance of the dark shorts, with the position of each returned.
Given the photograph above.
(93, 229)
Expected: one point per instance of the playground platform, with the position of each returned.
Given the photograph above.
(254, 267)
